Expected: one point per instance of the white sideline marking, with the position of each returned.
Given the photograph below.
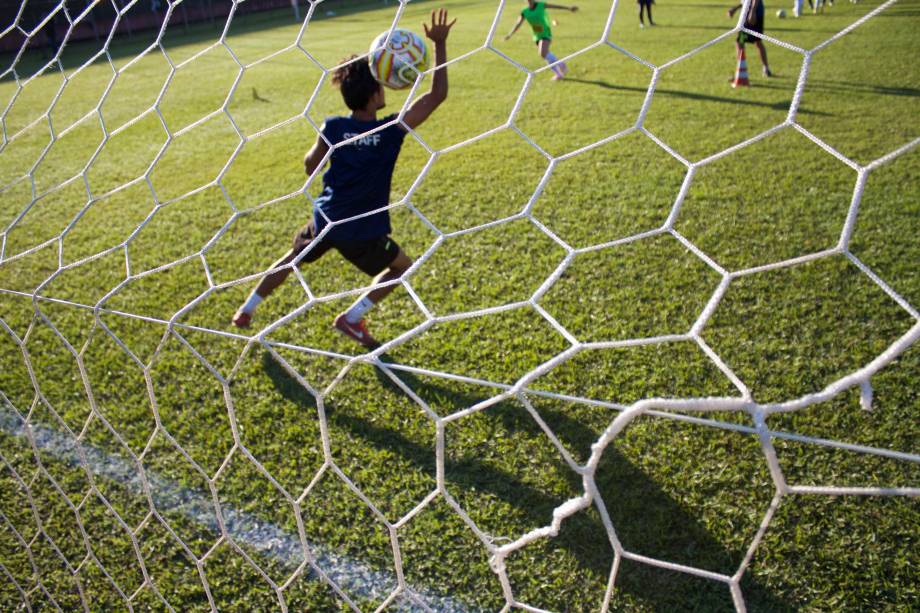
(353, 577)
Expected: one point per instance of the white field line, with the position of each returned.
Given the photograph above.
(352, 576)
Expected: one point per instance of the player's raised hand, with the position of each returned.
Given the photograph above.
(439, 27)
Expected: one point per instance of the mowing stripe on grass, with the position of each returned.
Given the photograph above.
(246, 529)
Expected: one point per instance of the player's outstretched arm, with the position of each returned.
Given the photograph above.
(315, 155)
(425, 104)
(515, 28)
(561, 7)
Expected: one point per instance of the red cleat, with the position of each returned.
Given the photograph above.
(357, 332)
(241, 319)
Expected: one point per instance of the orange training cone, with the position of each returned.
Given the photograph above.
(741, 74)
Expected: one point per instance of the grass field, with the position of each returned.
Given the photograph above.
(256, 449)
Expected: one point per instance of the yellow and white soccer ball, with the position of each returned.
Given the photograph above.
(781, 13)
(398, 62)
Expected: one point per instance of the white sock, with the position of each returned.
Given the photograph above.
(251, 303)
(356, 311)
(550, 58)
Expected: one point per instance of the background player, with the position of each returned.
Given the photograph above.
(753, 21)
(535, 15)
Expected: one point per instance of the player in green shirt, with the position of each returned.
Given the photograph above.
(535, 15)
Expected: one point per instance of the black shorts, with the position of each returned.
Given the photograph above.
(371, 257)
(744, 37)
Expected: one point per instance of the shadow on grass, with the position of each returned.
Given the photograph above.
(636, 517)
(777, 106)
(725, 28)
(711, 5)
(850, 87)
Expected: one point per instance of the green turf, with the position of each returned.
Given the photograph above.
(679, 491)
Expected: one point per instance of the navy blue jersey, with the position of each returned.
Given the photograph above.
(358, 178)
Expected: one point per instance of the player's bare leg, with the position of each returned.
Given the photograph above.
(351, 322)
(763, 58)
(243, 316)
(647, 8)
(559, 69)
(397, 268)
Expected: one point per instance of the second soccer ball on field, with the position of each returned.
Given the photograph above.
(396, 63)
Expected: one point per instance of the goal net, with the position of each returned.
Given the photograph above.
(656, 350)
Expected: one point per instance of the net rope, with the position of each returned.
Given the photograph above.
(236, 526)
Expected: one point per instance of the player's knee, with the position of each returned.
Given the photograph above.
(302, 240)
(295, 251)
(401, 264)
(402, 267)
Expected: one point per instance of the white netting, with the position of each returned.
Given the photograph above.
(254, 539)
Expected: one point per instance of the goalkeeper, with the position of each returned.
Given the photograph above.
(356, 183)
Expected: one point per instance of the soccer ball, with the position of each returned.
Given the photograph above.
(397, 64)
(781, 13)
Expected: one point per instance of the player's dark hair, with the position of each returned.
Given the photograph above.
(355, 81)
